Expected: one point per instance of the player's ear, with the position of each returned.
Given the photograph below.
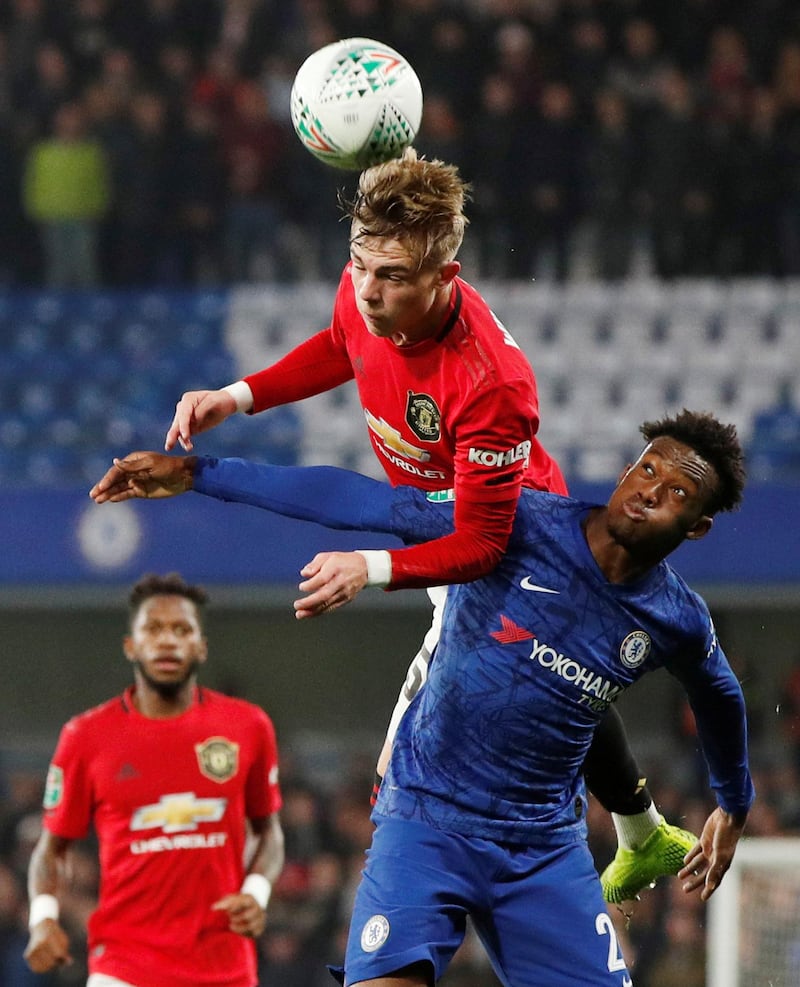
(448, 271)
(127, 647)
(202, 653)
(700, 528)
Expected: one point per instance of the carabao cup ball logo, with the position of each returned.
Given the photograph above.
(356, 103)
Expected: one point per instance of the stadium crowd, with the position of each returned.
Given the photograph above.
(326, 824)
(149, 141)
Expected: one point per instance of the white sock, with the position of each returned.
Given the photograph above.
(632, 831)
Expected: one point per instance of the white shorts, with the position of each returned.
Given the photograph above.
(418, 669)
(103, 980)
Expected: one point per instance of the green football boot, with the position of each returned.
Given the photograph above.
(660, 855)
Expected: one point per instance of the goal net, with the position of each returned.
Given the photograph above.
(754, 917)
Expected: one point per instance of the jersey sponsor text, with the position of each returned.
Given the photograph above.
(595, 688)
(412, 468)
(502, 457)
(181, 841)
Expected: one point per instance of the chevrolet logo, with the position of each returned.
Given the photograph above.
(393, 440)
(178, 813)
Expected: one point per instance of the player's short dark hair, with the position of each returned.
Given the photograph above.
(718, 444)
(172, 584)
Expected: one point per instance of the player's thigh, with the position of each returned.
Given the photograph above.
(411, 905)
(549, 924)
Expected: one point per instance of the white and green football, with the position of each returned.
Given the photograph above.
(356, 103)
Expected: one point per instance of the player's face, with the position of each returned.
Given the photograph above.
(166, 642)
(661, 499)
(396, 300)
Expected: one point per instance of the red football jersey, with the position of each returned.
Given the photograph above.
(457, 410)
(168, 800)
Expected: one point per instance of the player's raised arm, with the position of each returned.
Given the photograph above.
(199, 411)
(327, 495)
(150, 475)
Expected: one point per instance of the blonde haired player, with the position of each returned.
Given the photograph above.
(450, 402)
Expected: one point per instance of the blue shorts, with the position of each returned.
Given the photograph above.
(539, 913)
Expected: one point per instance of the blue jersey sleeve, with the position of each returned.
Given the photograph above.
(718, 705)
(333, 497)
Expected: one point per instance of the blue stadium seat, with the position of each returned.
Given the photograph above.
(774, 451)
(51, 467)
(87, 375)
(85, 338)
(13, 467)
(30, 340)
(15, 432)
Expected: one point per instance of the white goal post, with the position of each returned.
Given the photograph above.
(753, 937)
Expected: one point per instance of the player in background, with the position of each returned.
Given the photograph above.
(450, 402)
(181, 785)
(483, 810)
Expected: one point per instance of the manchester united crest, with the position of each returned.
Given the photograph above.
(218, 758)
(423, 417)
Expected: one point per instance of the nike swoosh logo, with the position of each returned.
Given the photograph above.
(527, 584)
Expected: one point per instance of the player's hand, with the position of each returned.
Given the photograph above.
(198, 411)
(331, 580)
(709, 859)
(245, 915)
(48, 947)
(150, 475)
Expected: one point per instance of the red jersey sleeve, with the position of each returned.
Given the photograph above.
(494, 438)
(473, 550)
(263, 794)
(69, 796)
(316, 365)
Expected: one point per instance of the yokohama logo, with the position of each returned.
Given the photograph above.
(573, 672)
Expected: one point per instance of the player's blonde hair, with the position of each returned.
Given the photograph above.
(414, 200)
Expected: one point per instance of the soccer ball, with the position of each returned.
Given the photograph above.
(356, 103)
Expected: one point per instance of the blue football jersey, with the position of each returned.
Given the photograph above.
(528, 661)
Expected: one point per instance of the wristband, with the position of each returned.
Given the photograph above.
(41, 907)
(379, 566)
(259, 888)
(241, 394)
